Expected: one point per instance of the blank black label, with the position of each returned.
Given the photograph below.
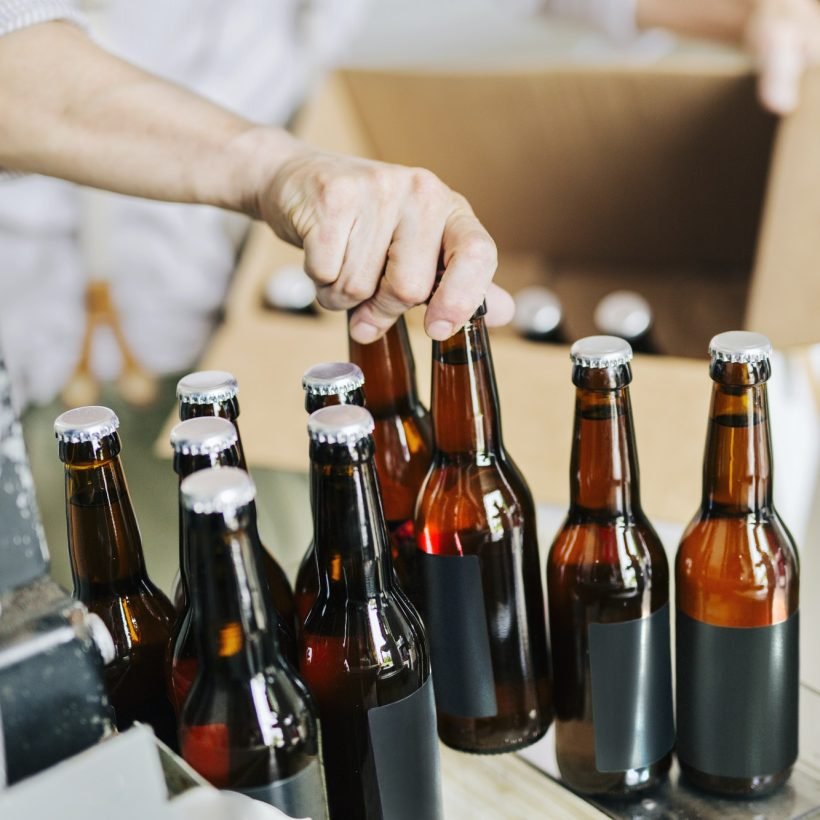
(737, 691)
(631, 671)
(300, 795)
(456, 624)
(406, 754)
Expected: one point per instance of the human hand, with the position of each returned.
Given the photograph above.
(783, 37)
(373, 236)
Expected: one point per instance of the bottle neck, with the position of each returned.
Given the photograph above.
(349, 531)
(389, 370)
(316, 402)
(604, 467)
(737, 470)
(103, 537)
(228, 409)
(233, 624)
(466, 419)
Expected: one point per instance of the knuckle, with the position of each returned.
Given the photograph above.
(478, 247)
(425, 184)
(382, 179)
(355, 291)
(410, 291)
(337, 192)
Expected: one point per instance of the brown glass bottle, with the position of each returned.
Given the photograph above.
(476, 528)
(737, 589)
(248, 723)
(108, 568)
(404, 440)
(363, 654)
(214, 393)
(608, 593)
(325, 385)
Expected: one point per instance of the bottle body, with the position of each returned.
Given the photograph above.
(737, 590)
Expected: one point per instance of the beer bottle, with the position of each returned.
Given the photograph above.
(248, 723)
(108, 568)
(476, 529)
(214, 393)
(608, 593)
(325, 385)
(200, 443)
(363, 654)
(404, 441)
(737, 577)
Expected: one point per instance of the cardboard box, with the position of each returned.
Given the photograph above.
(670, 180)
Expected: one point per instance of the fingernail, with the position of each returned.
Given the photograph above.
(440, 330)
(364, 332)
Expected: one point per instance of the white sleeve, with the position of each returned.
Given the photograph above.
(17, 14)
(616, 18)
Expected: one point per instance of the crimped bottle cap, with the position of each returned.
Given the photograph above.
(217, 490)
(203, 436)
(332, 379)
(207, 387)
(90, 423)
(740, 347)
(623, 313)
(341, 424)
(537, 311)
(601, 352)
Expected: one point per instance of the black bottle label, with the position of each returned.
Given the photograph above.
(300, 795)
(631, 674)
(453, 612)
(406, 755)
(737, 693)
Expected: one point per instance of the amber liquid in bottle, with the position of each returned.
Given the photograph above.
(404, 441)
(278, 584)
(737, 565)
(606, 565)
(474, 501)
(249, 721)
(360, 645)
(108, 568)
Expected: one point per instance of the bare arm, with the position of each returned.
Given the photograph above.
(372, 232)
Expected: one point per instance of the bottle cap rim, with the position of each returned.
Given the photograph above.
(340, 424)
(217, 490)
(332, 378)
(203, 436)
(90, 423)
(601, 352)
(537, 310)
(623, 313)
(740, 347)
(207, 387)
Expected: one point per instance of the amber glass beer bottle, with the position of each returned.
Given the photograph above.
(363, 653)
(737, 579)
(476, 528)
(404, 441)
(608, 592)
(248, 723)
(214, 393)
(325, 385)
(108, 568)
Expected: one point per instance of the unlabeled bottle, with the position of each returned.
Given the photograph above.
(626, 314)
(538, 314)
(404, 441)
(476, 528)
(608, 592)
(214, 393)
(737, 589)
(248, 723)
(325, 385)
(363, 653)
(108, 568)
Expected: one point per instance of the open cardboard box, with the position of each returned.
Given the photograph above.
(669, 180)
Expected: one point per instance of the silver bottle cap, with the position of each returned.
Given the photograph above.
(537, 311)
(623, 313)
(601, 352)
(290, 288)
(203, 436)
(341, 424)
(740, 347)
(207, 387)
(217, 490)
(332, 378)
(90, 423)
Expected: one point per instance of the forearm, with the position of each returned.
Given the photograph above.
(713, 19)
(71, 110)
